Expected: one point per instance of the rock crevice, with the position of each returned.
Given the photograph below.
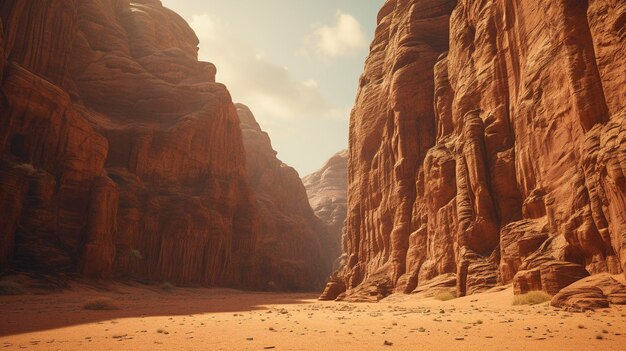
(487, 143)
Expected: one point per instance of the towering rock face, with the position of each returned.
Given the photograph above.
(294, 251)
(327, 190)
(488, 142)
(120, 155)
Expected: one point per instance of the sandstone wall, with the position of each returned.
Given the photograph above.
(488, 142)
(120, 154)
(296, 248)
(327, 190)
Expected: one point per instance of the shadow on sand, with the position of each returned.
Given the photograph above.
(35, 312)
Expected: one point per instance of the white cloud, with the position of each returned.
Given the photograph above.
(310, 83)
(343, 38)
(269, 89)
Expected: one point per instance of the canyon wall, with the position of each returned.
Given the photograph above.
(487, 146)
(327, 190)
(121, 157)
(296, 248)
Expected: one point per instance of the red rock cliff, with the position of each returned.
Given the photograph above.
(121, 156)
(295, 250)
(327, 190)
(488, 144)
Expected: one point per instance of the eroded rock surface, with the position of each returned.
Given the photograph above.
(598, 291)
(122, 157)
(293, 252)
(488, 141)
(327, 190)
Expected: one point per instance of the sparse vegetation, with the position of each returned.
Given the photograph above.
(50, 283)
(271, 286)
(531, 298)
(10, 288)
(101, 304)
(167, 287)
(136, 254)
(599, 337)
(29, 168)
(162, 331)
(444, 296)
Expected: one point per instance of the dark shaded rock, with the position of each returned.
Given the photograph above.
(295, 249)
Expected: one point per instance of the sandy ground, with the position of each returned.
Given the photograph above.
(219, 319)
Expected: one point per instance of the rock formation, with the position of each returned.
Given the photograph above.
(488, 141)
(597, 291)
(294, 249)
(327, 190)
(122, 157)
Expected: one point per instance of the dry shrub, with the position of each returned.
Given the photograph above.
(10, 288)
(531, 298)
(167, 287)
(445, 295)
(101, 304)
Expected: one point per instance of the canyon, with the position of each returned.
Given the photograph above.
(481, 203)
(488, 147)
(123, 158)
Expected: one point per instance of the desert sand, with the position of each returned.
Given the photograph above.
(149, 318)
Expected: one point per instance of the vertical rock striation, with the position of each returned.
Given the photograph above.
(122, 157)
(294, 251)
(488, 142)
(51, 157)
(185, 213)
(327, 190)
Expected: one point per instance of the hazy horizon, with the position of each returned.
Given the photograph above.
(296, 64)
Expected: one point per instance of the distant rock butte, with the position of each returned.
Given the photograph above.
(294, 251)
(327, 190)
(122, 157)
(488, 142)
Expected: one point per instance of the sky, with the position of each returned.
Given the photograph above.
(295, 63)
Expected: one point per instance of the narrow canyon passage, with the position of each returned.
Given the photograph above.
(221, 175)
